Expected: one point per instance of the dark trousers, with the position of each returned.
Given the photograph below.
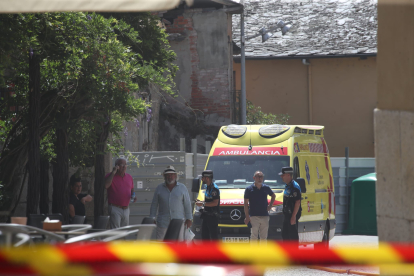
(209, 228)
(290, 232)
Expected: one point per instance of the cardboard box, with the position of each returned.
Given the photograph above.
(19, 220)
(52, 226)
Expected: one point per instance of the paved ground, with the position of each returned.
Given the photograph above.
(369, 241)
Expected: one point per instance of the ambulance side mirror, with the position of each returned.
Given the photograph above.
(302, 184)
(195, 188)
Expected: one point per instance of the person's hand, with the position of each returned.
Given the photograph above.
(246, 220)
(292, 220)
(115, 169)
(135, 199)
(269, 207)
(188, 223)
(199, 203)
(86, 199)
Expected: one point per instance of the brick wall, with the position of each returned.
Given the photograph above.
(209, 87)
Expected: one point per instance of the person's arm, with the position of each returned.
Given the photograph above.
(132, 189)
(154, 205)
(108, 180)
(246, 211)
(135, 198)
(211, 203)
(86, 198)
(246, 206)
(71, 210)
(295, 211)
(199, 203)
(297, 197)
(187, 209)
(272, 200)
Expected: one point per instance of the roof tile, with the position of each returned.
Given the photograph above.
(321, 27)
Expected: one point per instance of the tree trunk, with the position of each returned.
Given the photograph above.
(99, 184)
(60, 196)
(44, 186)
(34, 136)
(156, 100)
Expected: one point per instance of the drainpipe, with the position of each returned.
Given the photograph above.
(305, 62)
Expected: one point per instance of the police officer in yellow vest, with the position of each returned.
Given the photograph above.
(211, 204)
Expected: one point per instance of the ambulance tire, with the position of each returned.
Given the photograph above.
(325, 238)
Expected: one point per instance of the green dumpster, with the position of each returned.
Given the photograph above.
(362, 210)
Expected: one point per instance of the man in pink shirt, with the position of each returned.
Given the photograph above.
(120, 187)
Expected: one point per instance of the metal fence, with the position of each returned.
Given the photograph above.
(345, 170)
(148, 175)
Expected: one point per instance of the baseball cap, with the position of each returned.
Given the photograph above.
(286, 170)
(208, 173)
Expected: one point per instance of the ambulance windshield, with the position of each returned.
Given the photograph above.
(232, 172)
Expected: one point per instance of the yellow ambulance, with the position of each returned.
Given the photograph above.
(240, 150)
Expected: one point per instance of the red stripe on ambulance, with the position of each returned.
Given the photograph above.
(254, 151)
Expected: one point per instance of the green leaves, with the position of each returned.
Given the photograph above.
(91, 64)
(255, 116)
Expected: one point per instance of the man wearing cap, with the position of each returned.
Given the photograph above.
(211, 204)
(291, 206)
(120, 187)
(256, 207)
(172, 200)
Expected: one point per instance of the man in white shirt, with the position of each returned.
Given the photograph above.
(172, 200)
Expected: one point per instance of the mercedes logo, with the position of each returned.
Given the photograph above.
(235, 214)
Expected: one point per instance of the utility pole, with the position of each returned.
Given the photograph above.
(243, 74)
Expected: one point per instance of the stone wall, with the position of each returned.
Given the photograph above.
(202, 41)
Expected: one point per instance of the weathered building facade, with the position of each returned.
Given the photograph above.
(322, 72)
(201, 36)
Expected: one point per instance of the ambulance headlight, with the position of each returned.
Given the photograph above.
(276, 210)
(234, 131)
(273, 130)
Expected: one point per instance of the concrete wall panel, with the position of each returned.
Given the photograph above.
(407, 163)
(389, 184)
(395, 229)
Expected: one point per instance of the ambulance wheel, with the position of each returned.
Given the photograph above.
(325, 238)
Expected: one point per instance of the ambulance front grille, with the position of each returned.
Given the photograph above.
(231, 215)
(234, 231)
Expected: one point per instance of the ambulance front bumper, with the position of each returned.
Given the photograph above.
(230, 231)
